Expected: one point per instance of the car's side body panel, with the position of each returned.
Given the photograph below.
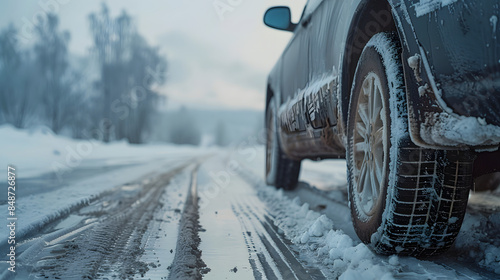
(310, 113)
(454, 79)
(309, 87)
(450, 60)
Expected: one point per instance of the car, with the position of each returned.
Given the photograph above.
(408, 92)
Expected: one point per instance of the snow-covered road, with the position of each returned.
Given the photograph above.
(185, 213)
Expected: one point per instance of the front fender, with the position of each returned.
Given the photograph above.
(451, 62)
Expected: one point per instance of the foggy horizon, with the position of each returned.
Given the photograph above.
(220, 64)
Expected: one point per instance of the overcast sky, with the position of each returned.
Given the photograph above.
(217, 58)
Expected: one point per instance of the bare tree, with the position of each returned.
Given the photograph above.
(112, 47)
(146, 70)
(130, 69)
(51, 52)
(18, 82)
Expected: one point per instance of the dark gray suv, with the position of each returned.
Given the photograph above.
(408, 91)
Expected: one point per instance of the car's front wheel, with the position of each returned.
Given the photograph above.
(403, 199)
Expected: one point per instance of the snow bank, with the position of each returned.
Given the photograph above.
(313, 233)
(479, 236)
(342, 255)
(39, 151)
(32, 150)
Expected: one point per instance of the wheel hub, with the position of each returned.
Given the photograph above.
(370, 147)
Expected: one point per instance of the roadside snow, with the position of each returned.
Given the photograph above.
(33, 150)
(324, 242)
(328, 176)
(39, 151)
(479, 237)
(317, 236)
(112, 165)
(313, 232)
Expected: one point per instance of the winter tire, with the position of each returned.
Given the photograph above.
(403, 199)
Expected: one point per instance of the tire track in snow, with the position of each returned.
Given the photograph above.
(263, 265)
(272, 250)
(34, 229)
(187, 263)
(105, 240)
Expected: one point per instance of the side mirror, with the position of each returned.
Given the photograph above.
(279, 18)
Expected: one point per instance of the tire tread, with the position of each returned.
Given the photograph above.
(427, 216)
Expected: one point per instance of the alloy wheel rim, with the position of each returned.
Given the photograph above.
(269, 144)
(369, 147)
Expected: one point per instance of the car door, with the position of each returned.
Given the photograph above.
(321, 100)
(295, 74)
(310, 78)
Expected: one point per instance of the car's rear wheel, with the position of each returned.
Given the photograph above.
(281, 171)
(488, 182)
(403, 199)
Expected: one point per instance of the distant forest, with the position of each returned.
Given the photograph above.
(40, 86)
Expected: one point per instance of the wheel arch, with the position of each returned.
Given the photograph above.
(371, 17)
(269, 96)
